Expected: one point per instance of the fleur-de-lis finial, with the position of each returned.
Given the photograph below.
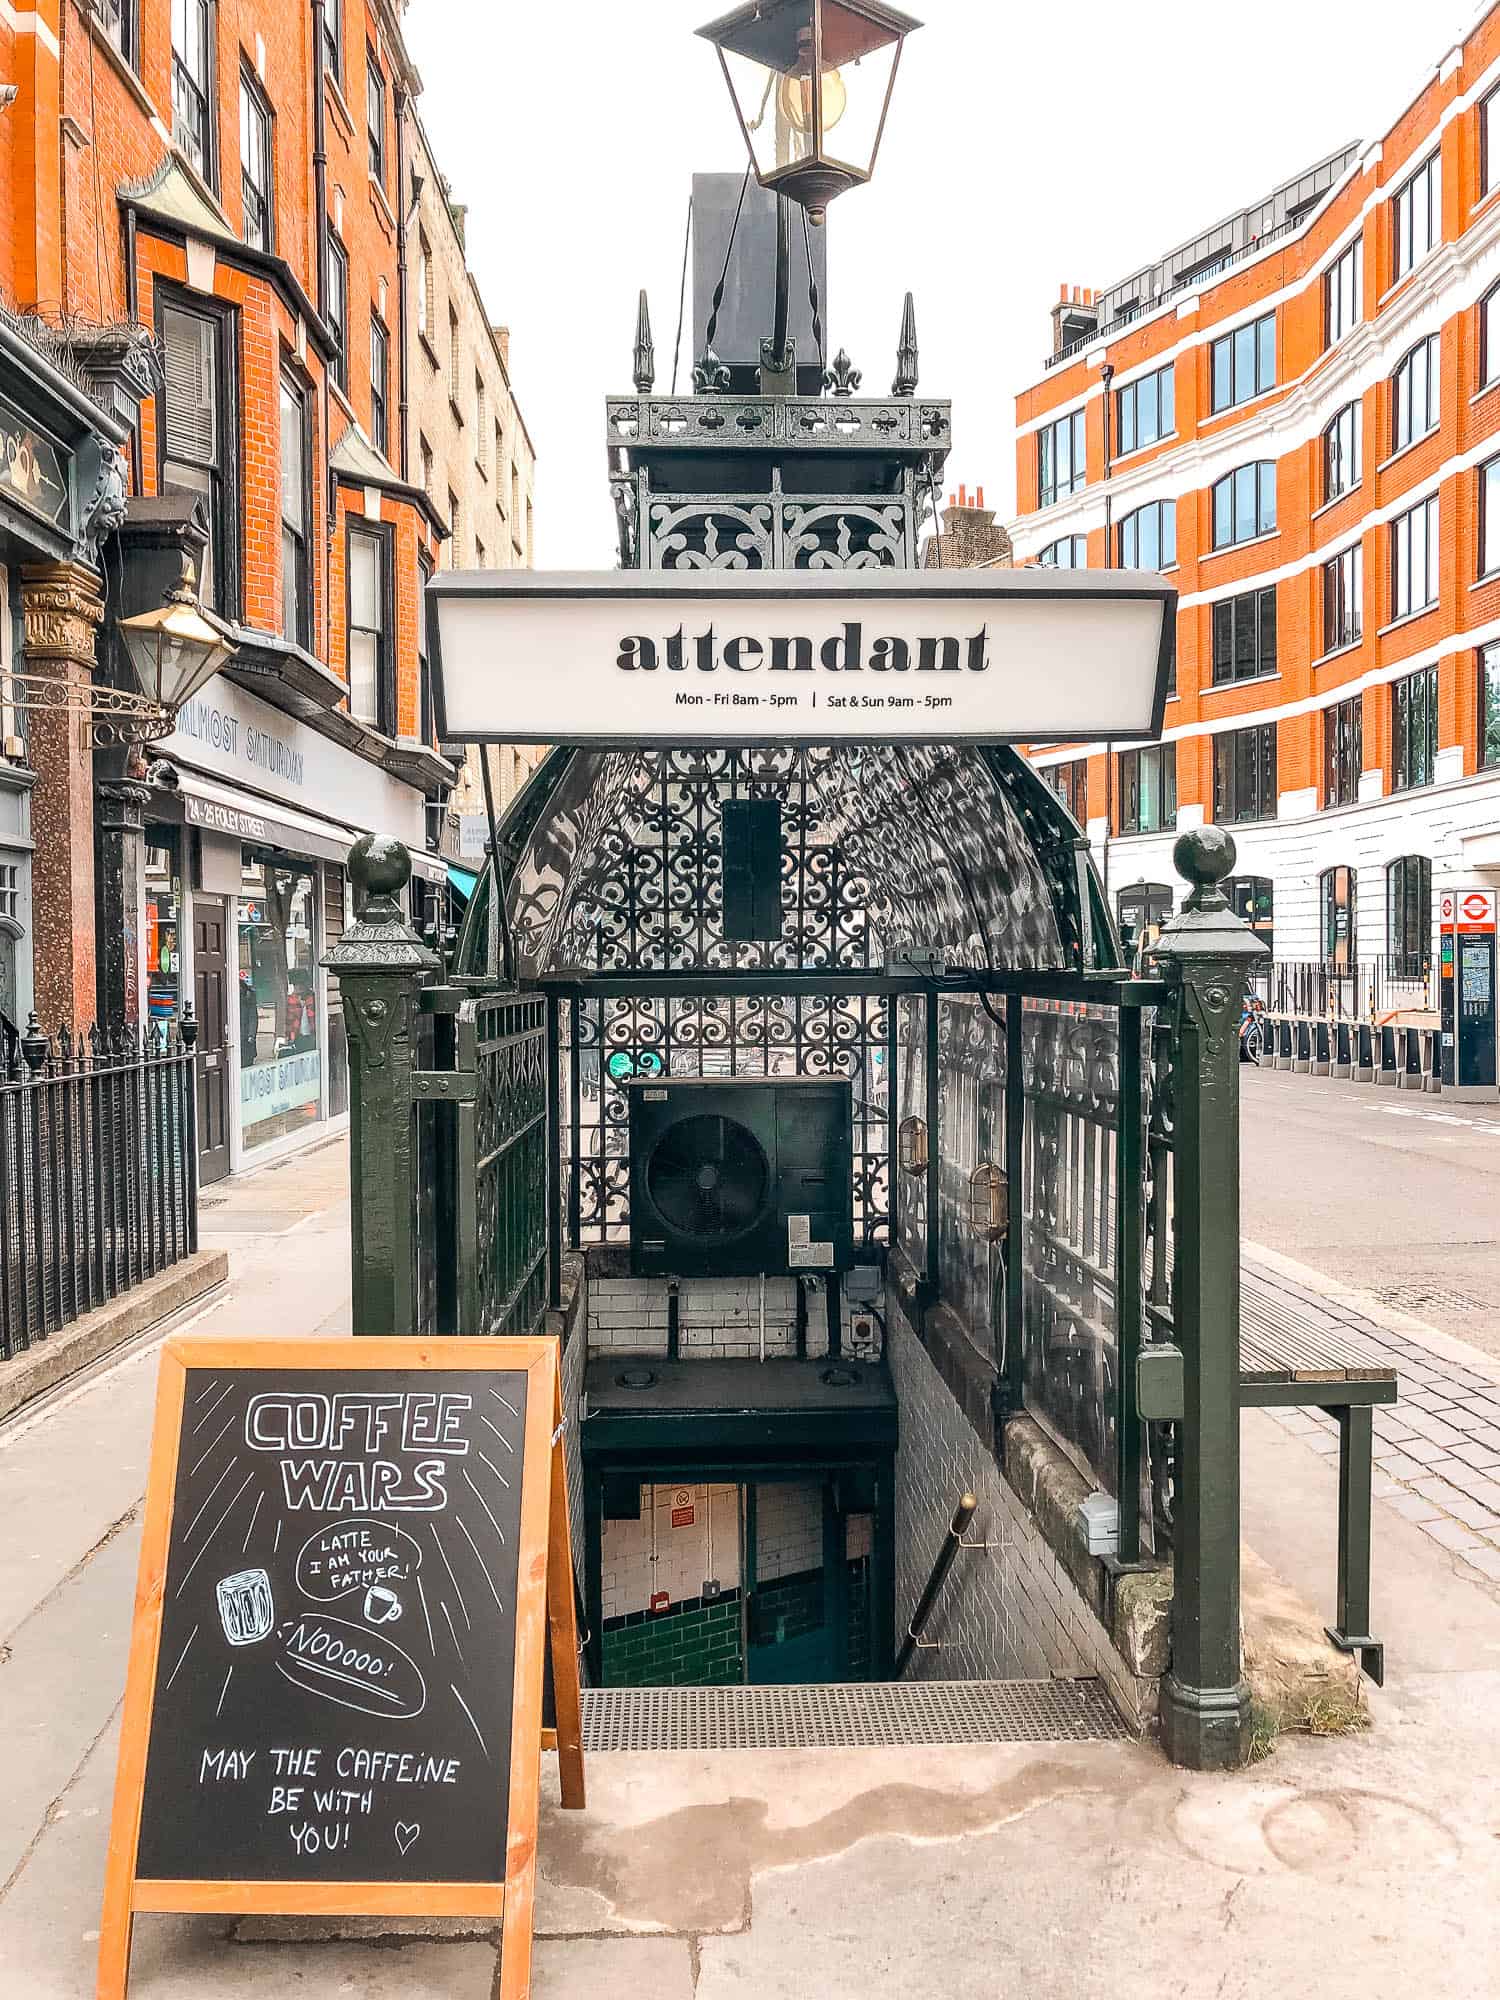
(843, 378)
(711, 376)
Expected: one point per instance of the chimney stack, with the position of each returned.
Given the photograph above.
(1074, 317)
(969, 538)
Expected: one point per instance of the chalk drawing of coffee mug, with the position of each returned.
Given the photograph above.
(382, 1606)
(247, 1609)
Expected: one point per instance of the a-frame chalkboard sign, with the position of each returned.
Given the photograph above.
(355, 1570)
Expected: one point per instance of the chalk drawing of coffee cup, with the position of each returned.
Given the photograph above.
(247, 1609)
(382, 1606)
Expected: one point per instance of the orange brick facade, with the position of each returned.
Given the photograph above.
(1451, 818)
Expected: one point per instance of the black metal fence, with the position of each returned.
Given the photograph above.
(98, 1169)
(1323, 989)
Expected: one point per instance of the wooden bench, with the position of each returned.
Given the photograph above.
(1287, 1357)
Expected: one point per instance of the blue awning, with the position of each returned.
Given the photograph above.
(462, 881)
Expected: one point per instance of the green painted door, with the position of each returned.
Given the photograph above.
(797, 1613)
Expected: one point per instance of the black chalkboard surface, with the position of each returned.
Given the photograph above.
(354, 1571)
(333, 1688)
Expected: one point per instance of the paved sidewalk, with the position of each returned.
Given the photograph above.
(1437, 1449)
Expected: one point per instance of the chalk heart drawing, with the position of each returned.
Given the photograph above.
(345, 1558)
(408, 1833)
(351, 1666)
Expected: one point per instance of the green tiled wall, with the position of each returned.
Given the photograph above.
(696, 1645)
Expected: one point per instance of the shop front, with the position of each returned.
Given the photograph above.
(252, 816)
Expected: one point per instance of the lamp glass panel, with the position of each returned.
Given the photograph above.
(765, 96)
(863, 80)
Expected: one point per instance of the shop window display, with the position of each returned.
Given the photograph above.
(280, 1026)
(163, 924)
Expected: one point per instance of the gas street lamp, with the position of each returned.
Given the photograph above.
(811, 82)
(177, 647)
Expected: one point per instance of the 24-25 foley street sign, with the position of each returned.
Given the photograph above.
(989, 656)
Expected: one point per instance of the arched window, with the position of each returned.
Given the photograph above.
(1341, 468)
(1245, 504)
(1408, 916)
(1142, 909)
(1069, 552)
(1337, 900)
(1148, 537)
(1416, 393)
(1253, 897)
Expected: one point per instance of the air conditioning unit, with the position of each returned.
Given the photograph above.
(729, 1178)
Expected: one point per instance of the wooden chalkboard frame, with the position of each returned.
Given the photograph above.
(545, 1615)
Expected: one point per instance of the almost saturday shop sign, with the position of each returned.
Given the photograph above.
(994, 656)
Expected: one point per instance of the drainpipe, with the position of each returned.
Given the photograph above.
(1107, 376)
(133, 313)
(320, 160)
(403, 102)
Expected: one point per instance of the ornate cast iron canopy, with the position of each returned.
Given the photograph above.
(811, 82)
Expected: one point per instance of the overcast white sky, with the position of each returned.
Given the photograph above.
(1028, 145)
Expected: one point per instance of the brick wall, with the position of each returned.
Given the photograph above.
(641, 1558)
(788, 1530)
(716, 1316)
(1012, 1612)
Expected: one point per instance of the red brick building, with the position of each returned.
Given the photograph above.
(202, 232)
(1297, 417)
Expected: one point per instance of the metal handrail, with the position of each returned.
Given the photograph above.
(953, 1541)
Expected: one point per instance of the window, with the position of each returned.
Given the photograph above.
(1253, 900)
(1071, 784)
(256, 192)
(1489, 706)
(1245, 504)
(455, 371)
(499, 463)
(1337, 900)
(1418, 213)
(455, 525)
(333, 38)
(1148, 789)
(1146, 410)
(1343, 599)
(1416, 399)
(426, 722)
(1344, 288)
(338, 308)
(1489, 517)
(1341, 453)
(375, 116)
(1244, 363)
(1143, 909)
(1245, 774)
(1489, 337)
(1148, 537)
(424, 290)
(371, 690)
(192, 83)
(296, 485)
(192, 436)
(1414, 730)
(1343, 750)
(120, 23)
(481, 421)
(380, 386)
(1244, 637)
(1071, 552)
(280, 1024)
(1408, 916)
(515, 504)
(1489, 141)
(1061, 458)
(479, 554)
(424, 453)
(1414, 559)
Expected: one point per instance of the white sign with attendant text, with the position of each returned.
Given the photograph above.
(979, 656)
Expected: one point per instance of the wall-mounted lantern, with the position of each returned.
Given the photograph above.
(911, 1142)
(989, 1202)
(811, 82)
(177, 647)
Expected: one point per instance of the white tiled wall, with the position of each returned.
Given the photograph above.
(648, 1555)
(716, 1316)
(788, 1530)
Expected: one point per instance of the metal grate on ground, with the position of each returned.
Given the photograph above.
(848, 1716)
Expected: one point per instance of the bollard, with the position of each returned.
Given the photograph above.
(1432, 1062)
(1343, 1051)
(1322, 1050)
(1386, 1067)
(1284, 1045)
(1302, 1062)
(1411, 1059)
(1364, 1053)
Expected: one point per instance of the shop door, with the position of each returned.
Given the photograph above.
(211, 1004)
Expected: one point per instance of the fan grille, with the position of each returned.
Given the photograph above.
(708, 1178)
